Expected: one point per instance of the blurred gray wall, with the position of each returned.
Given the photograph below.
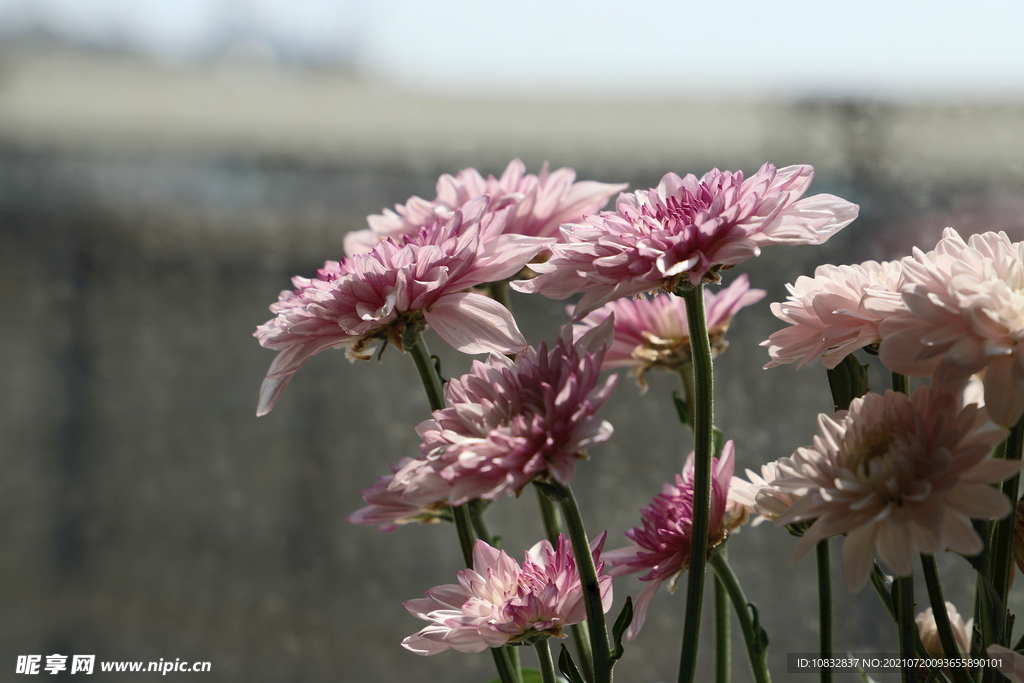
(149, 215)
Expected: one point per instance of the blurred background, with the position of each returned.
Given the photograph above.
(166, 166)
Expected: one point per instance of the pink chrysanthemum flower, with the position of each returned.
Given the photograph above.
(379, 294)
(929, 632)
(662, 545)
(498, 602)
(685, 230)
(964, 312)
(510, 422)
(419, 496)
(899, 476)
(654, 333)
(831, 314)
(539, 204)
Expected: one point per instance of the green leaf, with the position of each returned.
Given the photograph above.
(848, 380)
(623, 621)
(717, 440)
(568, 667)
(680, 407)
(762, 635)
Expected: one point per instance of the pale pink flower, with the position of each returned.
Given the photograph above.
(498, 602)
(539, 204)
(831, 315)
(419, 496)
(929, 632)
(377, 295)
(509, 422)
(661, 547)
(654, 332)
(1012, 666)
(964, 312)
(899, 476)
(758, 495)
(684, 231)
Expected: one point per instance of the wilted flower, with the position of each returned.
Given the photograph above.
(379, 294)
(510, 422)
(899, 476)
(539, 204)
(498, 602)
(930, 633)
(964, 313)
(685, 230)
(419, 496)
(662, 545)
(830, 315)
(654, 333)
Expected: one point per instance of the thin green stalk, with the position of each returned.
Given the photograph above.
(476, 515)
(1002, 534)
(824, 554)
(703, 435)
(757, 650)
(580, 634)
(599, 644)
(412, 339)
(949, 646)
(547, 666)
(413, 342)
(722, 658)
(901, 383)
(903, 593)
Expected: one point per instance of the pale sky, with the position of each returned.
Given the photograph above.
(596, 48)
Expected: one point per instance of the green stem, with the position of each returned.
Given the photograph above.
(1002, 535)
(825, 606)
(591, 588)
(703, 435)
(903, 590)
(757, 650)
(413, 342)
(412, 339)
(721, 632)
(901, 383)
(476, 515)
(580, 634)
(547, 666)
(949, 646)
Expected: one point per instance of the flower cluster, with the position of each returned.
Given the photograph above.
(949, 314)
(538, 204)
(654, 332)
(685, 231)
(498, 601)
(509, 422)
